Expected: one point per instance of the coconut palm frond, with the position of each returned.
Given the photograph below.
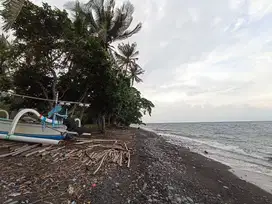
(129, 33)
(111, 23)
(97, 6)
(128, 50)
(12, 9)
(121, 20)
(135, 71)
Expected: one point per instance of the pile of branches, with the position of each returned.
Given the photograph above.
(91, 153)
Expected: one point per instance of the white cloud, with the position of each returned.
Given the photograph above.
(205, 60)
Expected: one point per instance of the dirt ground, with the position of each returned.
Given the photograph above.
(159, 173)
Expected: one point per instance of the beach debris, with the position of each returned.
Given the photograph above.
(90, 153)
(225, 187)
(70, 190)
(14, 194)
(206, 152)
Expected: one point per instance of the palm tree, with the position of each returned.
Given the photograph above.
(135, 71)
(127, 60)
(106, 21)
(12, 9)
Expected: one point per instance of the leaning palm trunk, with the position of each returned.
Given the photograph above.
(12, 9)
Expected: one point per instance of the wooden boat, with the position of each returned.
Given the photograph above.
(48, 129)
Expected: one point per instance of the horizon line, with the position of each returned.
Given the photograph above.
(232, 121)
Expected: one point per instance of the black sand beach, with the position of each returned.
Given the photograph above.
(160, 173)
(165, 173)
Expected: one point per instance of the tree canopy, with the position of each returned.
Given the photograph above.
(53, 53)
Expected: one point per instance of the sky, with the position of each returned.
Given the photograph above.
(204, 60)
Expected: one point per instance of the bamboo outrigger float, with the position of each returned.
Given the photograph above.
(49, 131)
(31, 132)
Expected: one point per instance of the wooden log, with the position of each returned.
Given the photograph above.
(54, 150)
(71, 152)
(121, 158)
(102, 160)
(38, 151)
(30, 151)
(128, 154)
(25, 149)
(54, 155)
(117, 147)
(6, 155)
(126, 146)
(116, 157)
(18, 149)
(91, 147)
(94, 155)
(93, 141)
(99, 155)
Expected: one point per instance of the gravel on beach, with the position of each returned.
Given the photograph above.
(164, 173)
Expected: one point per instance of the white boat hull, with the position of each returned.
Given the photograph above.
(33, 130)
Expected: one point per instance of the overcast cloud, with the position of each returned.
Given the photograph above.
(205, 60)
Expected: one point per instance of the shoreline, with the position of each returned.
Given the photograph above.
(259, 179)
(162, 172)
(262, 181)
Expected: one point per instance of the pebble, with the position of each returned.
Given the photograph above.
(190, 199)
(178, 199)
(170, 188)
(144, 187)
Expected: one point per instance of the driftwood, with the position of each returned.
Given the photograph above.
(25, 149)
(93, 141)
(126, 146)
(128, 155)
(94, 152)
(38, 151)
(102, 160)
(32, 150)
(121, 156)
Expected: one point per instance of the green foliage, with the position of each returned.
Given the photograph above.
(52, 52)
(126, 58)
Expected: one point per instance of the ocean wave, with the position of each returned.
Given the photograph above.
(213, 144)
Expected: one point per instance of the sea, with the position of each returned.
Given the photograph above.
(246, 147)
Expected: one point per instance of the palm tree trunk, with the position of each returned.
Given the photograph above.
(103, 123)
(126, 69)
(109, 119)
